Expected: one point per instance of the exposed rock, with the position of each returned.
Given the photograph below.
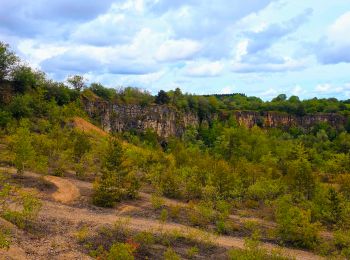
(167, 121)
(284, 120)
(164, 120)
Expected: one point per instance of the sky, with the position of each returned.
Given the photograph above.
(258, 47)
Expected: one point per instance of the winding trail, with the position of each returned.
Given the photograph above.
(68, 191)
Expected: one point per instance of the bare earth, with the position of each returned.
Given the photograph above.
(64, 218)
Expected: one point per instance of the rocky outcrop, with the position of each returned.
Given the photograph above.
(166, 121)
(284, 120)
(163, 120)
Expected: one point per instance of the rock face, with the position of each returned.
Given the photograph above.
(163, 120)
(167, 121)
(283, 120)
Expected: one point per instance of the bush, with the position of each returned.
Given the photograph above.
(342, 242)
(253, 251)
(163, 215)
(30, 209)
(264, 189)
(120, 251)
(157, 201)
(4, 239)
(5, 118)
(117, 181)
(170, 254)
(294, 224)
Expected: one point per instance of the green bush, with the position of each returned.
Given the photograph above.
(342, 242)
(170, 254)
(4, 239)
(120, 251)
(264, 189)
(294, 224)
(253, 251)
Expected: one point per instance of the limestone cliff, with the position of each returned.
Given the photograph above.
(164, 120)
(284, 120)
(167, 121)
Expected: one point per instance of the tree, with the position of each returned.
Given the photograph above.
(117, 181)
(280, 97)
(8, 61)
(294, 224)
(24, 78)
(22, 147)
(101, 91)
(162, 98)
(77, 82)
(301, 178)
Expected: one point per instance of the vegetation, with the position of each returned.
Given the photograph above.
(299, 177)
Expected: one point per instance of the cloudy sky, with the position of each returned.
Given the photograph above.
(258, 47)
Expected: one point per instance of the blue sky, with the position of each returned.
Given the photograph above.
(258, 47)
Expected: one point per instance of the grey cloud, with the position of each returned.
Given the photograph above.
(330, 53)
(30, 18)
(259, 41)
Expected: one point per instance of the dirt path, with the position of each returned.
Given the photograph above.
(102, 217)
(66, 191)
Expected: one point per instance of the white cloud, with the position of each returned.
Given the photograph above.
(333, 90)
(334, 47)
(205, 69)
(173, 50)
(288, 64)
(297, 90)
(226, 90)
(339, 30)
(324, 87)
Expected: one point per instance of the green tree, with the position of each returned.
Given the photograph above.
(117, 181)
(294, 224)
(24, 78)
(81, 145)
(301, 178)
(22, 147)
(162, 98)
(77, 82)
(8, 60)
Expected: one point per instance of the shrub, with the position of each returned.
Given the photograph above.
(192, 252)
(342, 242)
(117, 181)
(163, 215)
(264, 189)
(157, 201)
(82, 234)
(30, 207)
(294, 224)
(120, 251)
(4, 239)
(253, 251)
(170, 254)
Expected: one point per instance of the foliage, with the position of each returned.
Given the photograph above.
(116, 182)
(120, 251)
(4, 239)
(7, 61)
(22, 147)
(77, 82)
(170, 254)
(162, 98)
(253, 251)
(294, 224)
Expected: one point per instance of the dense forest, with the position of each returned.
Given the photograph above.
(290, 187)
